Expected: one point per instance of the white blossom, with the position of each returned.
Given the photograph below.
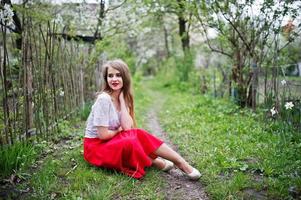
(58, 20)
(6, 15)
(61, 92)
(283, 82)
(289, 105)
(141, 10)
(132, 33)
(273, 111)
(143, 61)
(150, 53)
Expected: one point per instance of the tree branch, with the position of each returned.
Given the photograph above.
(207, 39)
(238, 32)
(115, 7)
(88, 39)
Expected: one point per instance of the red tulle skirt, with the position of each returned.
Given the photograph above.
(128, 152)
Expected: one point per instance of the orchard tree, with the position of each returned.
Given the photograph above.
(248, 32)
(181, 9)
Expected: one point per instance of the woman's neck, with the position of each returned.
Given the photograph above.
(115, 95)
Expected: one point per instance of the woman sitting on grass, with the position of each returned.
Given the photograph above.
(111, 141)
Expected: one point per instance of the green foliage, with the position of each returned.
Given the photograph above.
(41, 12)
(150, 68)
(177, 73)
(142, 100)
(16, 157)
(235, 149)
(85, 111)
(114, 48)
(184, 66)
(285, 110)
(19, 156)
(249, 37)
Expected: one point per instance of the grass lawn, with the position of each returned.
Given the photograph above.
(240, 155)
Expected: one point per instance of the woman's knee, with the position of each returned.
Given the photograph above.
(129, 141)
(140, 131)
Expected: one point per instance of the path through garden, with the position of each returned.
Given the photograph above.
(178, 186)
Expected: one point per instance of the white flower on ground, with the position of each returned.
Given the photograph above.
(273, 111)
(289, 105)
(283, 82)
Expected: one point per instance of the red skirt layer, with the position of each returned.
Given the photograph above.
(128, 151)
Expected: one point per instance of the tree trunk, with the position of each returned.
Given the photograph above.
(182, 26)
(97, 33)
(265, 85)
(237, 76)
(253, 84)
(6, 117)
(28, 90)
(166, 41)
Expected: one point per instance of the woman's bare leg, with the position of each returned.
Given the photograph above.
(166, 152)
(158, 163)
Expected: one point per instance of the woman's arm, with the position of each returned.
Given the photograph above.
(126, 119)
(104, 133)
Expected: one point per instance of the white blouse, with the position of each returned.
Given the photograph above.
(103, 113)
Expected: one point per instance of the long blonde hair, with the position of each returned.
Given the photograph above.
(123, 68)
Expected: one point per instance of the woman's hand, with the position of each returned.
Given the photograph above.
(105, 134)
(121, 97)
(126, 119)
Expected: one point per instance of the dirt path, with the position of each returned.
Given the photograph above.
(178, 186)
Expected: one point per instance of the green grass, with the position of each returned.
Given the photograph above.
(16, 157)
(235, 149)
(68, 176)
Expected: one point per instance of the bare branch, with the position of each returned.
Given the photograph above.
(290, 41)
(115, 7)
(208, 40)
(238, 32)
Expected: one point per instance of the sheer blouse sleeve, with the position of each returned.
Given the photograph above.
(101, 111)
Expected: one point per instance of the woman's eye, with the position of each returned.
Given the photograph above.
(110, 75)
(118, 75)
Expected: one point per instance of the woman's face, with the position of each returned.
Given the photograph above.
(114, 79)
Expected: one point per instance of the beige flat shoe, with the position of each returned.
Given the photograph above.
(168, 165)
(194, 175)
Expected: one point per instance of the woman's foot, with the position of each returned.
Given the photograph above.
(163, 164)
(189, 171)
(194, 175)
(168, 166)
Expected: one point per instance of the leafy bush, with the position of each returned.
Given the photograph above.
(85, 111)
(16, 157)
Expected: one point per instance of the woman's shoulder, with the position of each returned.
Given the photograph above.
(103, 96)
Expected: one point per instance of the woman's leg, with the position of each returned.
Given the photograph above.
(166, 152)
(158, 163)
(153, 145)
